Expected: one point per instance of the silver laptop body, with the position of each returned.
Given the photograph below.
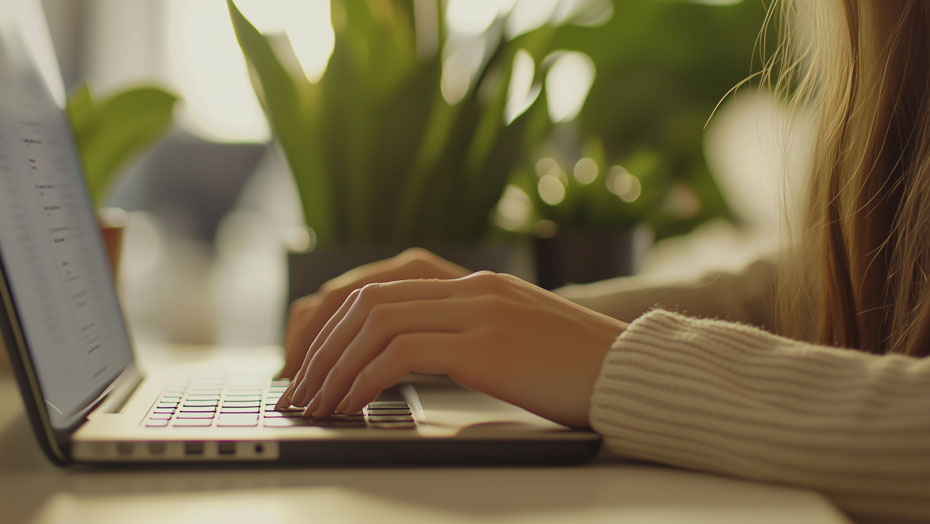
(87, 397)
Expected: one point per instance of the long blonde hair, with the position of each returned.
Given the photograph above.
(859, 271)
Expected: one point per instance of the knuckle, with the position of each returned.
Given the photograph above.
(416, 259)
(332, 301)
(368, 294)
(329, 286)
(415, 253)
(487, 280)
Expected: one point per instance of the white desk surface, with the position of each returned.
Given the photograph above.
(33, 491)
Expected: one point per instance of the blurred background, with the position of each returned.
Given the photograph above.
(356, 129)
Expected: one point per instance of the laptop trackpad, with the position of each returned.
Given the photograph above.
(444, 408)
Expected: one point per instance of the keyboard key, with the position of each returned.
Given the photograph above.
(200, 415)
(160, 416)
(390, 404)
(279, 414)
(380, 412)
(202, 398)
(288, 422)
(237, 420)
(156, 423)
(193, 423)
(200, 404)
(226, 409)
(289, 408)
(198, 410)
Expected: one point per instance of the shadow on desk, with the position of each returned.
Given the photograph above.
(602, 491)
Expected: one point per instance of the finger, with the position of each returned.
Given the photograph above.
(349, 321)
(412, 263)
(406, 353)
(311, 313)
(293, 394)
(300, 314)
(385, 323)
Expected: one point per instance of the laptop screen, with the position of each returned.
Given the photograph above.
(50, 244)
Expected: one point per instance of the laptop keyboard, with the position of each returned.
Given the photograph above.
(240, 402)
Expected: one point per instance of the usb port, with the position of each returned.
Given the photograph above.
(226, 448)
(157, 448)
(193, 448)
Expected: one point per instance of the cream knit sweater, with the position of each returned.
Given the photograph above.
(727, 397)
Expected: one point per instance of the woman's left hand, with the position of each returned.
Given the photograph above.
(490, 332)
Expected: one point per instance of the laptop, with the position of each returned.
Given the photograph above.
(86, 395)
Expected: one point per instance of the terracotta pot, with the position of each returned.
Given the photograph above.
(113, 223)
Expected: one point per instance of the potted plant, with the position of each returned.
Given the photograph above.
(109, 133)
(589, 216)
(632, 161)
(380, 159)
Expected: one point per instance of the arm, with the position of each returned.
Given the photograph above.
(732, 399)
(744, 296)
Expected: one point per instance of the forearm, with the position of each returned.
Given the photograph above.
(728, 398)
(743, 296)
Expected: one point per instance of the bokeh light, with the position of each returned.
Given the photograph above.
(623, 184)
(585, 171)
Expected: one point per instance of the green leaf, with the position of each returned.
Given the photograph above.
(110, 133)
(286, 103)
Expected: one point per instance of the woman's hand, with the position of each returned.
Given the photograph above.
(309, 314)
(490, 332)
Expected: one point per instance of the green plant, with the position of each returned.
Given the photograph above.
(377, 154)
(380, 157)
(662, 66)
(593, 193)
(112, 131)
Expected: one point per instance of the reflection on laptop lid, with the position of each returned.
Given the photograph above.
(55, 271)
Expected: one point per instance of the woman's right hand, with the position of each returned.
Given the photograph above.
(309, 314)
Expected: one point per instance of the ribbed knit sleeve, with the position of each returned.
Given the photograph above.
(746, 295)
(729, 398)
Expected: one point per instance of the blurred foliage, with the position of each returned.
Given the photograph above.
(662, 67)
(112, 131)
(379, 156)
(593, 194)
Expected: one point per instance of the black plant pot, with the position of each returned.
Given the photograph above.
(582, 256)
(308, 270)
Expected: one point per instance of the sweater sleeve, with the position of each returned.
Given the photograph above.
(746, 295)
(728, 398)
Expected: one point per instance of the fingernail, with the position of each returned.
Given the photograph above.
(342, 405)
(285, 399)
(299, 391)
(314, 402)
